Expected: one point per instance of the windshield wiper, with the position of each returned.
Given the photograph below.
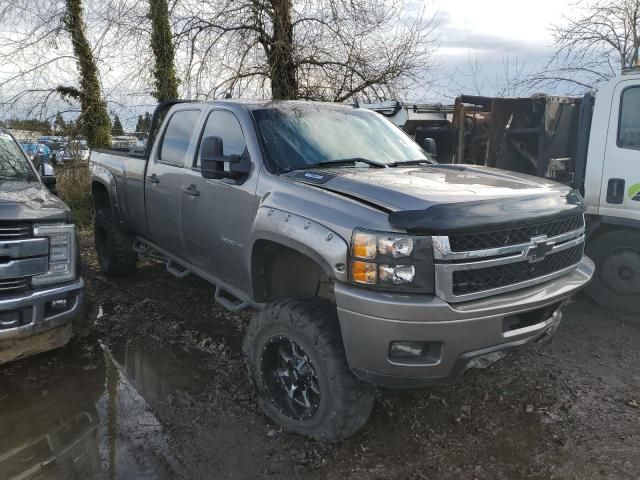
(342, 161)
(414, 162)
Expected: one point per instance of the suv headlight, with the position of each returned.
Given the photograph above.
(392, 261)
(62, 253)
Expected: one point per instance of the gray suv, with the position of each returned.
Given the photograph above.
(368, 263)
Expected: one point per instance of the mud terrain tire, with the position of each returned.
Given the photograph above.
(113, 245)
(616, 282)
(345, 402)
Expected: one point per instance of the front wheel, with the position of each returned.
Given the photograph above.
(296, 360)
(114, 246)
(616, 282)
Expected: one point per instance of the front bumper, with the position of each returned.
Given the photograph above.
(35, 311)
(370, 321)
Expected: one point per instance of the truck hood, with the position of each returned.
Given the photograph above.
(30, 201)
(439, 199)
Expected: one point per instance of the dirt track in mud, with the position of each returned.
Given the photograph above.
(153, 386)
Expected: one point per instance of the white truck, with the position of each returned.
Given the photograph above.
(591, 143)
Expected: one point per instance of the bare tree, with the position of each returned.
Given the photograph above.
(311, 49)
(602, 40)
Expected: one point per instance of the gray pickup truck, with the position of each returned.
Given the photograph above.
(40, 287)
(369, 264)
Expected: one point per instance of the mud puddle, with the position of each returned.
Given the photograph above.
(90, 415)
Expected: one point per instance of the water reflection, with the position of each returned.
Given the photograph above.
(92, 420)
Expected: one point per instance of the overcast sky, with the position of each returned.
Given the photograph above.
(493, 33)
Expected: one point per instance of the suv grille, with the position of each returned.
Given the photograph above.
(10, 286)
(473, 281)
(514, 236)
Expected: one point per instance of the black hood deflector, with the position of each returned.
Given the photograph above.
(466, 217)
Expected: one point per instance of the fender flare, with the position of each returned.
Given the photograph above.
(103, 176)
(306, 236)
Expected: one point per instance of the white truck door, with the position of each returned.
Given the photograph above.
(620, 190)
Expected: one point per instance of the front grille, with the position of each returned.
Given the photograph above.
(11, 286)
(482, 279)
(15, 231)
(469, 242)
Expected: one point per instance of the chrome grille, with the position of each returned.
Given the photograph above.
(489, 268)
(513, 236)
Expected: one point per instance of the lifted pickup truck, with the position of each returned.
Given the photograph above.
(368, 262)
(40, 290)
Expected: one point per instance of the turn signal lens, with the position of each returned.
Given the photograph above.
(364, 272)
(364, 245)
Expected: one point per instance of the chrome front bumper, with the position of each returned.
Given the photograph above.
(370, 321)
(35, 307)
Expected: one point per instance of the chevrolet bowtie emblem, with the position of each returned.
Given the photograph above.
(538, 249)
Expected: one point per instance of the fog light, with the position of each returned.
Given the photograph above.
(426, 353)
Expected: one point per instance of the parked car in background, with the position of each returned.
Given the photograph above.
(74, 150)
(40, 286)
(37, 152)
(55, 145)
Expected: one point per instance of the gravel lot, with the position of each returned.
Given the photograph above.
(153, 386)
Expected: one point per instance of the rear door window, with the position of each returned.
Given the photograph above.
(177, 137)
(629, 129)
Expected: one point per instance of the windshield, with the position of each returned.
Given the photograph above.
(13, 165)
(299, 136)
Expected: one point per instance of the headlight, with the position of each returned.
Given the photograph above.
(62, 253)
(392, 261)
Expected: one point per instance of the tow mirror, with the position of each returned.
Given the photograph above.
(50, 182)
(213, 161)
(430, 146)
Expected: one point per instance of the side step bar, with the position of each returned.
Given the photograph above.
(227, 296)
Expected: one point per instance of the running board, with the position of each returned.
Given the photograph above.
(176, 269)
(225, 295)
(229, 301)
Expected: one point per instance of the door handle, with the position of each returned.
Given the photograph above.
(153, 178)
(191, 190)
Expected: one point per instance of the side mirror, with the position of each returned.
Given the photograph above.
(212, 161)
(50, 181)
(430, 146)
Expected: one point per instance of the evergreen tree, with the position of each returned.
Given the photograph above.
(59, 125)
(116, 129)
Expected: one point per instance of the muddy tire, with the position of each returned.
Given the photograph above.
(616, 282)
(296, 360)
(113, 245)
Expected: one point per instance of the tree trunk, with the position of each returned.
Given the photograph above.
(164, 71)
(284, 84)
(94, 117)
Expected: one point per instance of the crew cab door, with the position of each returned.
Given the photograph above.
(164, 175)
(620, 193)
(217, 214)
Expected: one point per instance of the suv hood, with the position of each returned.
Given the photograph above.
(30, 201)
(450, 198)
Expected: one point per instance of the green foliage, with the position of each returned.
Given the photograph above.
(34, 125)
(59, 125)
(116, 129)
(94, 119)
(164, 71)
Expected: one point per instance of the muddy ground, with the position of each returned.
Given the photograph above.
(153, 386)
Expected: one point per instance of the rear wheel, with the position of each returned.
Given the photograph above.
(616, 282)
(297, 362)
(114, 245)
